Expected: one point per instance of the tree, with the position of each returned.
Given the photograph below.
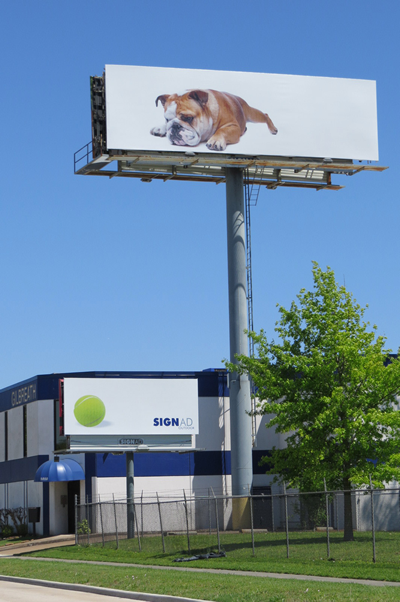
(331, 387)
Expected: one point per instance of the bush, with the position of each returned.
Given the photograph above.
(18, 516)
(7, 531)
(4, 514)
(83, 527)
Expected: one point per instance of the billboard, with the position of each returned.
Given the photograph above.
(142, 406)
(240, 113)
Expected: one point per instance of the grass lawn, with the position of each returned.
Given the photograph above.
(308, 554)
(204, 586)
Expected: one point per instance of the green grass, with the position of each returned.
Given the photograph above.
(308, 554)
(204, 586)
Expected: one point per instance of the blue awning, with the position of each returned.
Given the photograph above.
(59, 470)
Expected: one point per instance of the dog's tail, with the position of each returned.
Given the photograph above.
(256, 116)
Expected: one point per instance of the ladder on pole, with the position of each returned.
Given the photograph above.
(252, 192)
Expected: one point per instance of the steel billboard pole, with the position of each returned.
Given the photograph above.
(130, 512)
(239, 385)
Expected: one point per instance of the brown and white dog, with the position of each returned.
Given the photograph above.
(217, 118)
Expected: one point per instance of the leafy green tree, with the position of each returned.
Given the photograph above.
(331, 387)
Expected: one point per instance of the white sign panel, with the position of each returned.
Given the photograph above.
(140, 406)
(158, 109)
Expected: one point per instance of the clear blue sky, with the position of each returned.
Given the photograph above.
(101, 274)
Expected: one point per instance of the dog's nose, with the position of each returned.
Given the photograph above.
(176, 127)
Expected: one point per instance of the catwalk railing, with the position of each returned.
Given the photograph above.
(200, 524)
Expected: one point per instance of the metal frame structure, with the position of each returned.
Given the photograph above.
(271, 172)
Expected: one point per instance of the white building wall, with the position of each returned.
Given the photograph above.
(15, 433)
(58, 510)
(2, 437)
(40, 417)
(266, 438)
(386, 511)
(3, 495)
(15, 494)
(169, 486)
(35, 499)
(33, 428)
(46, 426)
(214, 424)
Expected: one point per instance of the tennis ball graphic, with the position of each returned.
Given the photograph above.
(89, 410)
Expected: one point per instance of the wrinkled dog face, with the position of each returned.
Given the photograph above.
(187, 121)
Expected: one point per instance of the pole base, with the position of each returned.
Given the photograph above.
(241, 513)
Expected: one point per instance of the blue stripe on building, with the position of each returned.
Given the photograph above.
(202, 463)
(23, 469)
(90, 471)
(259, 467)
(46, 510)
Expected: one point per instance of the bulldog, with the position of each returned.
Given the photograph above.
(216, 118)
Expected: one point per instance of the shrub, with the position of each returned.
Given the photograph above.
(7, 531)
(18, 516)
(83, 527)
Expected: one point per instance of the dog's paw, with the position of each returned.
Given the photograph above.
(158, 131)
(217, 144)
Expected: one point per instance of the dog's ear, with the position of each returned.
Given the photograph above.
(163, 99)
(200, 96)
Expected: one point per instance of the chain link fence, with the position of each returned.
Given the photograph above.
(202, 523)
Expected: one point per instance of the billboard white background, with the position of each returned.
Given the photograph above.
(132, 405)
(315, 116)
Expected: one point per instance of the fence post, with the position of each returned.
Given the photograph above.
(337, 510)
(76, 520)
(251, 521)
(209, 511)
(162, 532)
(272, 512)
(372, 520)
(187, 521)
(101, 522)
(116, 523)
(286, 520)
(89, 522)
(137, 528)
(327, 520)
(216, 520)
(141, 511)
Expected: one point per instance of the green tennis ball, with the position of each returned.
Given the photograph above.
(89, 410)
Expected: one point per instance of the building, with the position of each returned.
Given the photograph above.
(31, 432)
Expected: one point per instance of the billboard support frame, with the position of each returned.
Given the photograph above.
(290, 172)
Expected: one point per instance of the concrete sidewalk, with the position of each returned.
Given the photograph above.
(31, 545)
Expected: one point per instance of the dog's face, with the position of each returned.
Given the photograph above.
(188, 120)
